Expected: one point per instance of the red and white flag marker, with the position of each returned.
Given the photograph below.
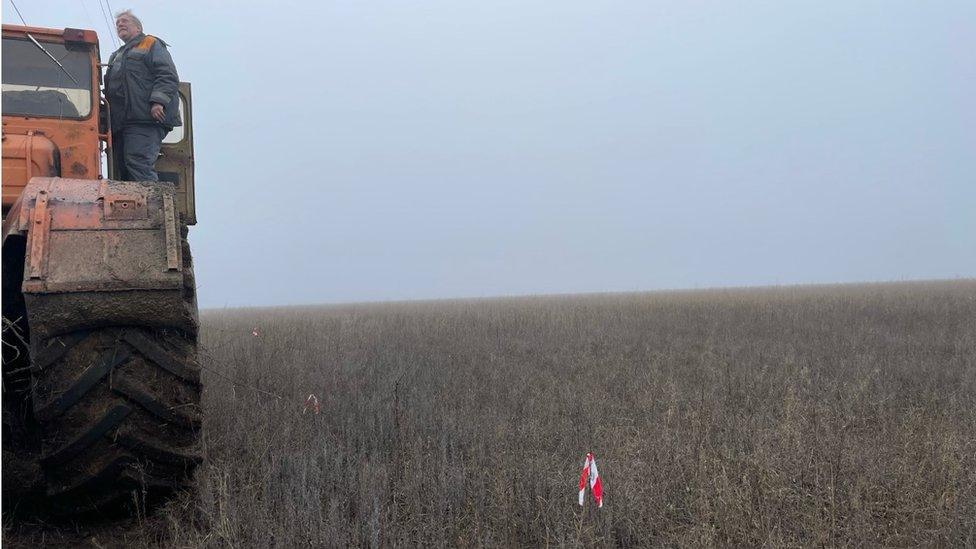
(593, 476)
(254, 332)
(311, 403)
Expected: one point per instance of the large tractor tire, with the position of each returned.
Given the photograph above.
(117, 411)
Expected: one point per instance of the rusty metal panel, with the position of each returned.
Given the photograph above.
(106, 260)
(87, 235)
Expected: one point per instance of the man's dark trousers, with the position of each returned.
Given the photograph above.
(139, 149)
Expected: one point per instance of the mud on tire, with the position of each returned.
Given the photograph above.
(118, 413)
(119, 416)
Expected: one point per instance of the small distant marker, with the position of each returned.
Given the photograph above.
(254, 332)
(590, 474)
(311, 403)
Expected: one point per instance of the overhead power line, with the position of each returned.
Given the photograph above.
(88, 16)
(91, 20)
(111, 11)
(107, 23)
(16, 9)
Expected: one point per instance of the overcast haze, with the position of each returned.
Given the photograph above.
(398, 150)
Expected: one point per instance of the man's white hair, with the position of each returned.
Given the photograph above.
(130, 15)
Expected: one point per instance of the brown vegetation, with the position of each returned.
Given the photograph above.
(834, 415)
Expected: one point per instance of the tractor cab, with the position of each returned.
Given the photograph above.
(55, 120)
(101, 391)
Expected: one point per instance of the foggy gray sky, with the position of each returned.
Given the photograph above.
(352, 151)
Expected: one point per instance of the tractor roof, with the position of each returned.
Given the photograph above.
(52, 35)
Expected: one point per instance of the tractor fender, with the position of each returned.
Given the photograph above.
(99, 253)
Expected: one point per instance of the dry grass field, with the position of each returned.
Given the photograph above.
(796, 416)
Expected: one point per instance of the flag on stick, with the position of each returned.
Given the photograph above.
(311, 403)
(591, 474)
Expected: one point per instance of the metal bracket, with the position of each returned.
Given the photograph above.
(122, 206)
(172, 241)
(39, 228)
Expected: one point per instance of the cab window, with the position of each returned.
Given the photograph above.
(176, 135)
(34, 85)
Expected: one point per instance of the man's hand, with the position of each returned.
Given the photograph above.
(158, 112)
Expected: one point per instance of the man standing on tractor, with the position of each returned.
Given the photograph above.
(141, 88)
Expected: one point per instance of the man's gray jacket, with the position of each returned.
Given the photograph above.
(141, 73)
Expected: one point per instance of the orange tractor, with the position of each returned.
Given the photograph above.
(101, 386)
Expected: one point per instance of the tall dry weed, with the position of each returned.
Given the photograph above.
(808, 416)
